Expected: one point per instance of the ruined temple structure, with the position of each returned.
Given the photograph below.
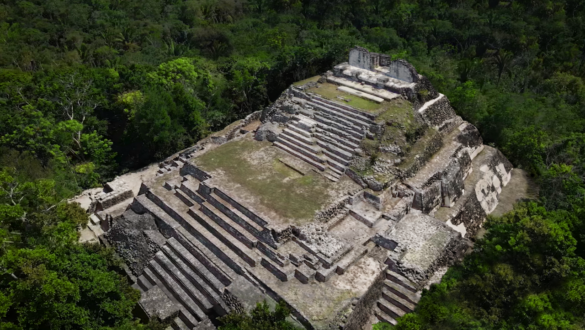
(345, 198)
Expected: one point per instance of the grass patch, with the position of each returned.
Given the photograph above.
(306, 81)
(278, 187)
(330, 92)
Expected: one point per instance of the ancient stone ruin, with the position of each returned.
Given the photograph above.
(344, 199)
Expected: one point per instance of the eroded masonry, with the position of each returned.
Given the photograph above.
(345, 198)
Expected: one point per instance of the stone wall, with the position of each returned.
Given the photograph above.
(437, 111)
(194, 171)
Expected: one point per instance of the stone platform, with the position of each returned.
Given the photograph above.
(343, 209)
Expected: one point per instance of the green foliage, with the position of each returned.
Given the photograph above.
(260, 318)
(89, 89)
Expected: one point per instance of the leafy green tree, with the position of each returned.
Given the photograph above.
(260, 318)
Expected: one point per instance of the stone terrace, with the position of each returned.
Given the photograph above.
(279, 213)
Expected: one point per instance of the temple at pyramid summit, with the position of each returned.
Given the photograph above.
(345, 198)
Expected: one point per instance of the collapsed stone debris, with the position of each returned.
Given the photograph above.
(349, 193)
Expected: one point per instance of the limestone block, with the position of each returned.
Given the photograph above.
(267, 131)
(428, 198)
(155, 303)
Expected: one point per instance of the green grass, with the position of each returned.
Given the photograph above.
(330, 92)
(308, 80)
(279, 188)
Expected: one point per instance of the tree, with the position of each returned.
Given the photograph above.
(260, 318)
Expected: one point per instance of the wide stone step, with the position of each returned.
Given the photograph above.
(342, 160)
(338, 129)
(313, 153)
(349, 259)
(190, 189)
(399, 279)
(336, 166)
(216, 282)
(143, 283)
(223, 238)
(299, 155)
(338, 122)
(311, 148)
(229, 225)
(239, 219)
(299, 130)
(282, 273)
(186, 285)
(340, 135)
(197, 281)
(175, 289)
(249, 213)
(178, 324)
(334, 105)
(402, 292)
(303, 138)
(397, 301)
(390, 309)
(338, 112)
(383, 316)
(336, 141)
(184, 198)
(382, 93)
(184, 314)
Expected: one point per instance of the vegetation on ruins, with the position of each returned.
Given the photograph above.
(260, 318)
(91, 89)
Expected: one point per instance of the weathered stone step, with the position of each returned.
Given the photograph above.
(399, 279)
(397, 301)
(185, 284)
(366, 115)
(184, 314)
(330, 176)
(272, 254)
(300, 137)
(190, 190)
(229, 225)
(299, 130)
(142, 203)
(175, 289)
(282, 273)
(390, 309)
(199, 283)
(299, 155)
(338, 112)
(311, 153)
(178, 324)
(338, 134)
(249, 213)
(215, 282)
(336, 166)
(402, 292)
(383, 317)
(184, 198)
(332, 155)
(233, 213)
(143, 283)
(335, 141)
(311, 148)
(214, 259)
(349, 259)
(222, 238)
(339, 123)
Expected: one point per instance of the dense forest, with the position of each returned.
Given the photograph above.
(90, 89)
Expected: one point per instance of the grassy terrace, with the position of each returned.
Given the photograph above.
(266, 182)
(330, 92)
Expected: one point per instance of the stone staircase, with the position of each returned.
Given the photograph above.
(328, 140)
(399, 296)
(187, 282)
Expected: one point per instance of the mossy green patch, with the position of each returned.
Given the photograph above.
(330, 92)
(278, 187)
(306, 81)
